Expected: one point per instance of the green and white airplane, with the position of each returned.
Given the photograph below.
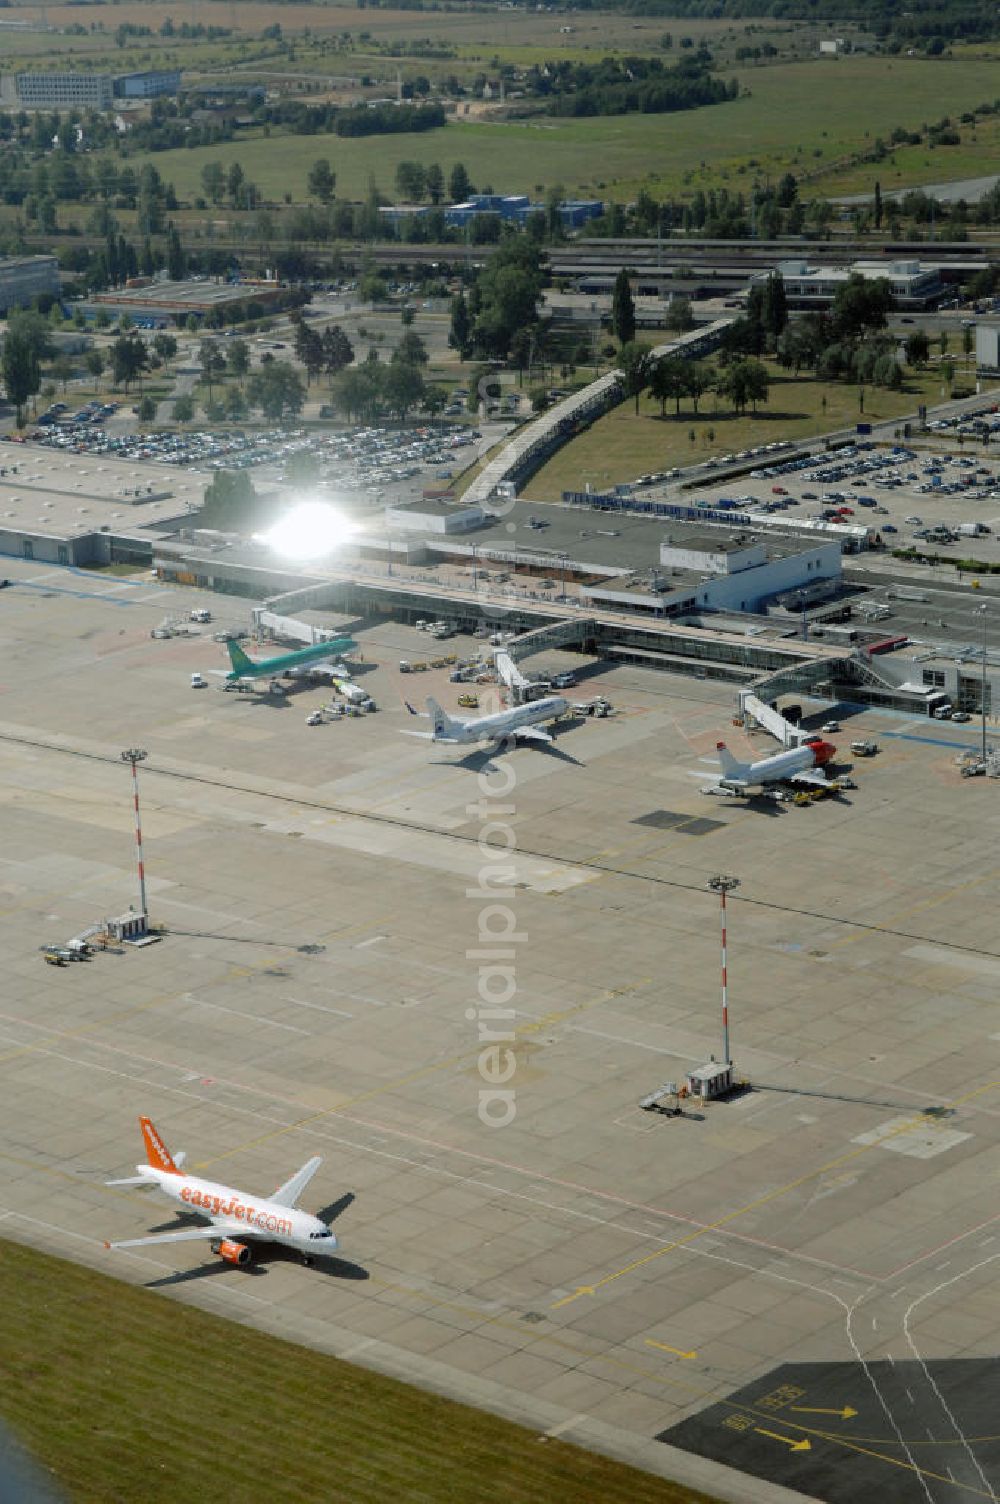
(317, 659)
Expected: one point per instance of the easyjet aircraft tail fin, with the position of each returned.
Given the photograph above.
(157, 1153)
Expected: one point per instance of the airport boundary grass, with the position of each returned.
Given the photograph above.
(126, 1396)
(620, 446)
(816, 105)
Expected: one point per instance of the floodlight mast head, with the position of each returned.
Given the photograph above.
(134, 756)
(723, 884)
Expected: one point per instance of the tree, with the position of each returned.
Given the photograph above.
(62, 369)
(338, 351)
(623, 309)
(460, 335)
(184, 409)
(212, 363)
(434, 183)
(678, 315)
(238, 358)
(322, 180)
(508, 290)
(213, 180)
(669, 379)
(743, 382)
(402, 387)
(861, 305)
(147, 410)
(636, 367)
(411, 181)
(21, 371)
(236, 404)
(459, 184)
(918, 348)
(310, 351)
(95, 364)
(277, 390)
(700, 381)
(774, 307)
(235, 178)
(359, 390)
(411, 350)
(129, 358)
(176, 260)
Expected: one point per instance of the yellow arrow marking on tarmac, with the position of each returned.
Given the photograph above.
(580, 1290)
(668, 1349)
(846, 1413)
(805, 1445)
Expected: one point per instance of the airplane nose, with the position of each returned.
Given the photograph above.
(333, 1240)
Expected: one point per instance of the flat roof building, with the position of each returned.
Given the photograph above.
(24, 278)
(148, 85)
(55, 91)
(912, 283)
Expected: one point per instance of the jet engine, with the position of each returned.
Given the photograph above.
(233, 1253)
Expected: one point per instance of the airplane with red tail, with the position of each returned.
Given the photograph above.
(237, 1219)
(799, 765)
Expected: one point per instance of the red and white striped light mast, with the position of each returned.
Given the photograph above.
(723, 885)
(136, 755)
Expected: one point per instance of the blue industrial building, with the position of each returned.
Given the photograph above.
(512, 208)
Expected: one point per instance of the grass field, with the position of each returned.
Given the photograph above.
(130, 1397)
(798, 115)
(621, 446)
(911, 166)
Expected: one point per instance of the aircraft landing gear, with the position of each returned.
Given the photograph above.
(308, 1260)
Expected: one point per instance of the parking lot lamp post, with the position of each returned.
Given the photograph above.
(723, 885)
(136, 755)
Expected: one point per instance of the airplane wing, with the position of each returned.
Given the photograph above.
(425, 736)
(531, 734)
(189, 1235)
(322, 666)
(289, 1193)
(814, 779)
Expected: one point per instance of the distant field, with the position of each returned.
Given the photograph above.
(798, 115)
(621, 446)
(911, 166)
(127, 1395)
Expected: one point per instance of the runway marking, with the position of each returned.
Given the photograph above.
(415, 1139)
(565, 1425)
(318, 1007)
(464, 1057)
(764, 1200)
(665, 1347)
(256, 1018)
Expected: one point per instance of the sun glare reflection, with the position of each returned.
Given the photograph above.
(308, 531)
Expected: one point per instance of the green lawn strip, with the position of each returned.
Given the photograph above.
(126, 1395)
(620, 446)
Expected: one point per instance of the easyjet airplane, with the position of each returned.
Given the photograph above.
(236, 1218)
